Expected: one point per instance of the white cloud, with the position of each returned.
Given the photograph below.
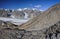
(37, 6)
(25, 8)
(19, 9)
(41, 10)
(33, 8)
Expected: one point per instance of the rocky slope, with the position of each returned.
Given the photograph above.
(43, 20)
(45, 25)
(52, 32)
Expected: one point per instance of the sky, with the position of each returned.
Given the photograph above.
(39, 4)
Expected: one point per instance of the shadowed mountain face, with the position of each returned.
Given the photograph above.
(45, 25)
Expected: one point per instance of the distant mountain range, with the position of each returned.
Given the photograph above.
(18, 16)
(19, 13)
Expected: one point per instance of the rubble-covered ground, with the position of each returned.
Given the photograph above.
(52, 32)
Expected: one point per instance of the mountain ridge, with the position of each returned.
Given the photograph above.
(44, 20)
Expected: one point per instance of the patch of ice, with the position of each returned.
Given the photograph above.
(14, 20)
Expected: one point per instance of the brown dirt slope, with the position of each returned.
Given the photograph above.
(43, 20)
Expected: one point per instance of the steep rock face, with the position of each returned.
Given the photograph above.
(44, 20)
(53, 32)
(18, 14)
(3, 13)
